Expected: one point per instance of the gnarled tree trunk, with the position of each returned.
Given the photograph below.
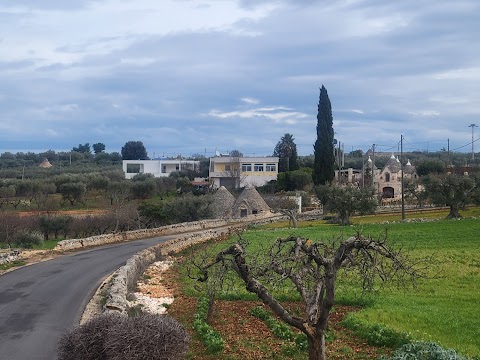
(316, 347)
(454, 214)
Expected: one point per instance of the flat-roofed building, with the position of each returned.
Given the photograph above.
(235, 172)
(157, 167)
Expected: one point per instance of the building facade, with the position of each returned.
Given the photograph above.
(386, 181)
(236, 172)
(157, 167)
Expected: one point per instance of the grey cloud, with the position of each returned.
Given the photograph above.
(49, 4)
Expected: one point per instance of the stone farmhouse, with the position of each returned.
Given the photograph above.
(387, 181)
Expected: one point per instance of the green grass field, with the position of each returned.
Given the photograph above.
(444, 308)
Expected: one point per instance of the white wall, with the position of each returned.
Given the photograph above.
(154, 167)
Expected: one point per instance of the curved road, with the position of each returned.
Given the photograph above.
(38, 303)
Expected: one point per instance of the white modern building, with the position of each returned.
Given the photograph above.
(157, 167)
(235, 172)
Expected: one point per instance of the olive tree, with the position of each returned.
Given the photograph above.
(285, 205)
(454, 191)
(73, 192)
(312, 267)
(346, 201)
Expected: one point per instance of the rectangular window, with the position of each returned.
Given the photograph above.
(227, 167)
(271, 167)
(164, 169)
(258, 167)
(246, 167)
(177, 167)
(212, 166)
(134, 168)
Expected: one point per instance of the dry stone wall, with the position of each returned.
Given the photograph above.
(74, 244)
(125, 278)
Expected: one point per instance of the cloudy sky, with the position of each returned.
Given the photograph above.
(187, 76)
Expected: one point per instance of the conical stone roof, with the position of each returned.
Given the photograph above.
(409, 168)
(45, 164)
(251, 201)
(392, 165)
(222, 203)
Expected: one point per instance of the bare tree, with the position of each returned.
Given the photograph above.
(10, 225)
(232, 172)
(7, 195)
(312, 268)
(212, 284)
(119, 193)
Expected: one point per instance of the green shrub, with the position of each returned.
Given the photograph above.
(424, 351)
(377, 334)
(27, 239)
(208, 336)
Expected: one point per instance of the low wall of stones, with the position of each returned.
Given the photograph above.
(74, 244)
(125, 278)
(9, 256)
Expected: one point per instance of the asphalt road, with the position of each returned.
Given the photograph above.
(38, 303)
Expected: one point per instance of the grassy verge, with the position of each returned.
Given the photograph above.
(443, 309)
(12, 264)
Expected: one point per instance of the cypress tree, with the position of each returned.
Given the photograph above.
(323, 170)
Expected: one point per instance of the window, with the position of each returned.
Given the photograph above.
(177, 167)
(258, 167)
(227, 167)
(246, 167)
(164, 169)
(387, 177)
(271, 167)
(134, 168)
(212, 166)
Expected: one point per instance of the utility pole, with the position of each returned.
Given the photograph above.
(403, 182)
(373, 166)
(339, 163)
(448, 152)
(473, 126)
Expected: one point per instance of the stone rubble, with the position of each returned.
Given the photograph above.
(152, 296)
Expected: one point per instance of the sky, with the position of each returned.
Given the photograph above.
(195, 77)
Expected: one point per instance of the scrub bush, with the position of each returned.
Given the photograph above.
(115, 337)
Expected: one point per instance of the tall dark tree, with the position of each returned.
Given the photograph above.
(323, 171)
(134, 150)
(98, 148)
(82, 148)
(286, 150)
